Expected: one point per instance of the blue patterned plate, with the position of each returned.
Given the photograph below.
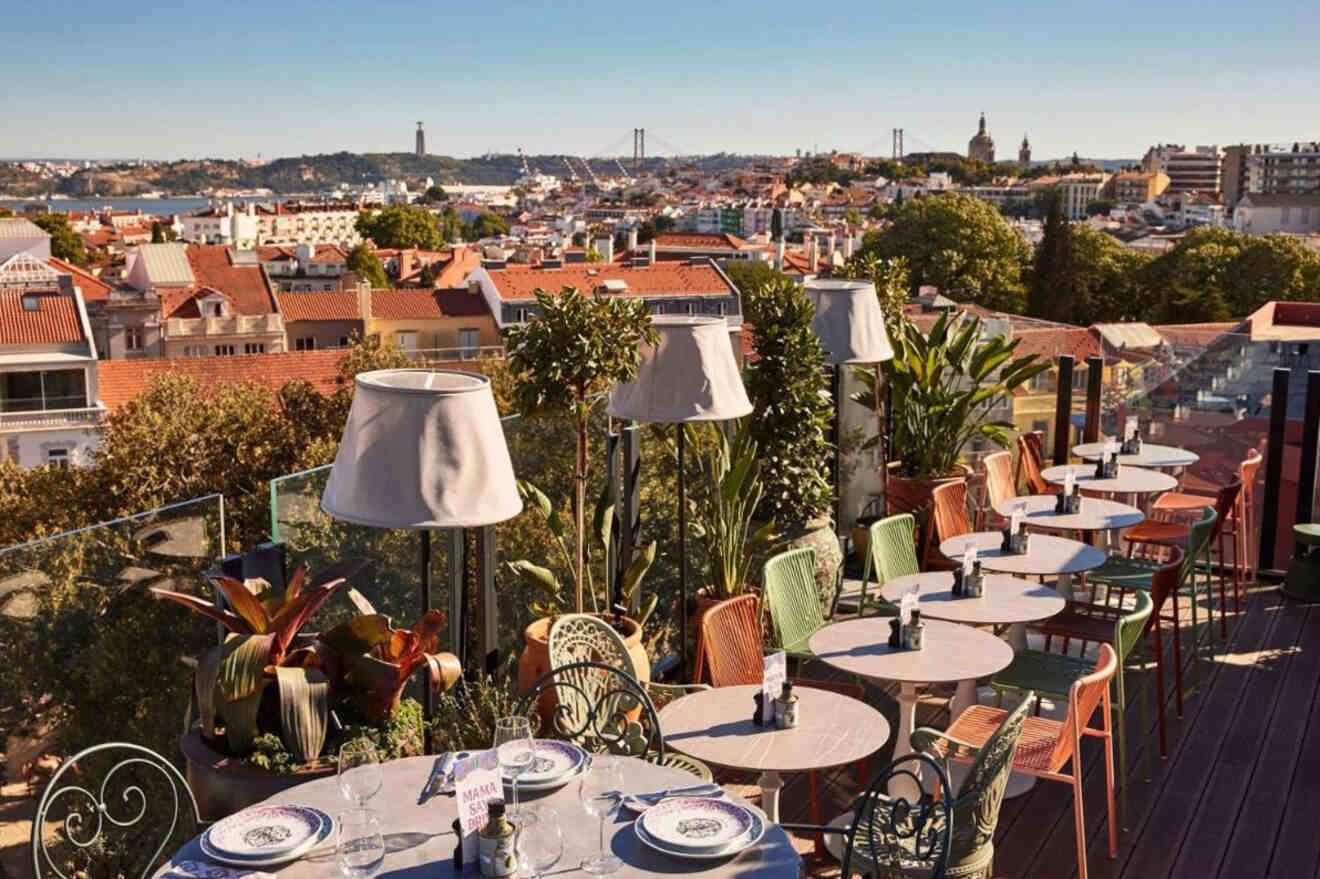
(265, 835)
(758, 825)
(552, 760)
(696, 824)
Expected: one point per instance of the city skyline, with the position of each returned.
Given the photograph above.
(577, 82)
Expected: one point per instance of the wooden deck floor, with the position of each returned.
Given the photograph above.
(1238, 796)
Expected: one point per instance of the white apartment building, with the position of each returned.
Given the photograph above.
(1278, 169)
(251, 225)
(1198, 169)
(1264, 213)
(1079, 190)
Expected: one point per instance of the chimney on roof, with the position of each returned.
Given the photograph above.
(651, 252)
(605, 247)
(813, 255)
(779, 255)
(632, 239)
(407, 257)
(364, 305)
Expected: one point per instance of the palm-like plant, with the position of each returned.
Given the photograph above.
(723, 519)
(946, 385)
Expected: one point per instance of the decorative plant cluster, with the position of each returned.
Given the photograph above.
(723, 516)
(946, 384)
(792, 408)
(268, 678)
(576, 348)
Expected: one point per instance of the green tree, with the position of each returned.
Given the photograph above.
(401, 225)
(489, 225)
(366, 264)
(577, 348)
(426, 279)
(433, 195)
(663, 223)
(747, 273)
(777, 225)
(891, 279)
(792, 411)
(960, 244)
(853, 217)
(1052, 295)
(645, 231)
(1105, 277)
(65, 243)
(157, 233)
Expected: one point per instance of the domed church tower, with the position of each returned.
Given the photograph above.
(982, 146)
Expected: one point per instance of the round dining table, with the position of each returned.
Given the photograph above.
(950, 653)
(420, 842)
(716, 727)
(1129, 481)
(1151, 455)
(1005, 601)
(1047, 555)
(1093, 514)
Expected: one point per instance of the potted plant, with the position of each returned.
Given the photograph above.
(273, 701)
(945, 387)
(788, 385)
(723, 518)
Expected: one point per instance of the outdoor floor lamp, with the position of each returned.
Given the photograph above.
(424, 449)
(851, 327)
(689, 375)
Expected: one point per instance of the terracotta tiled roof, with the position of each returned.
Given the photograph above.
(245, 286)
(122, 380)
(1195, 334)
(54, 322)
(1053, 342)
(93, 288)
(319, 305)
(404, 304)
(700, 241)
(663, 278)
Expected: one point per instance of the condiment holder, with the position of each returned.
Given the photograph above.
(968, 581)
(786, 707)
(1132, 437)
(906, 630)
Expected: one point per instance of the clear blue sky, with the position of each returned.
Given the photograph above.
(186, 78)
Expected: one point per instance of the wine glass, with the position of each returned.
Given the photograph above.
(359, 771)
(516, 750)
(359, 846)
(540, 839)
(601, 791)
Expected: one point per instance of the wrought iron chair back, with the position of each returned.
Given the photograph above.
(893, 833)
(601, 708)
(579, 637)
(115, 820)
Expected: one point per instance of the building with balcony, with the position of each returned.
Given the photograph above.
(1077, 191)
(49, 412)
(1138, 187)
(305, 267)
(1198, 169)
(315, 320)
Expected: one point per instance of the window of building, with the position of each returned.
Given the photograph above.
(224, 350)
(218, 309)
(658, 308)
(719, 308)
(254, 348)
(194, 350)
(406, 341)
(133, 339)
(1284, 213)
(469, 339)
(304, 343)
(343, 341)
(43, 390)
(58, 458)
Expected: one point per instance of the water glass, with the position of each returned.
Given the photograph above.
(601, 792)
(516, 750)
(359, 845)
(360, 776)
(540, 840)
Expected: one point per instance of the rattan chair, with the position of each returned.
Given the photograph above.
(794, 604)
(999, 486)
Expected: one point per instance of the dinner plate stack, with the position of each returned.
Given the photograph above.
(266, 835)
(554, 764)
(700, 827)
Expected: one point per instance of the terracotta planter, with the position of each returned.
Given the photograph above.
(819, 535)
(535, 660)
(224, 785)
(861, 538)
(913, 496)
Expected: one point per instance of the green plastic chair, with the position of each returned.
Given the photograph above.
(892, 552)
(790, 594)
(976, 805)
(1052, 674)
(1125, 573)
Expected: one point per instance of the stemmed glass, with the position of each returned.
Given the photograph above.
(601, 791)
(359, 846)
(517, 752)
(359, 771)
(540, 839)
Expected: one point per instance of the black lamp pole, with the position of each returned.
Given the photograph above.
(682, 554)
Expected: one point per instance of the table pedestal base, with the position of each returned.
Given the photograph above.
(771, 783)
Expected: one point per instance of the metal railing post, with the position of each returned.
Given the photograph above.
(1063, 410)
(1269, 520)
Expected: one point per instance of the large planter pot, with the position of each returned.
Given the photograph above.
(224, 785)
(861, 538)
(907, 495)
(535, 660)
(819, 535)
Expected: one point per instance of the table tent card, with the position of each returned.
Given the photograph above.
(476, 783)
(773, 676)
(969, 559)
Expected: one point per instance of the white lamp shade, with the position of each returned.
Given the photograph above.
(422, 449)
(689, 375)
(849, 321)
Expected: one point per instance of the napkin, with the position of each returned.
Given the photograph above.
(199, 870)
(907, 604)
(441, 780)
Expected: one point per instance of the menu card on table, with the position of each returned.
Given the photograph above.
(772, 684)
(476, 783)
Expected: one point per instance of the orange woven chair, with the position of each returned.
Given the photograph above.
(1000, 485)
(950, 518)
(729, 654)
(1048, 749)
(1153, 533)
(1239, 524)
(1031, 461)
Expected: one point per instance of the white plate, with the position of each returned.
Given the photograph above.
(694, 824)
(548, 783)
(759, 824)
(552, 760)
(325, 829)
